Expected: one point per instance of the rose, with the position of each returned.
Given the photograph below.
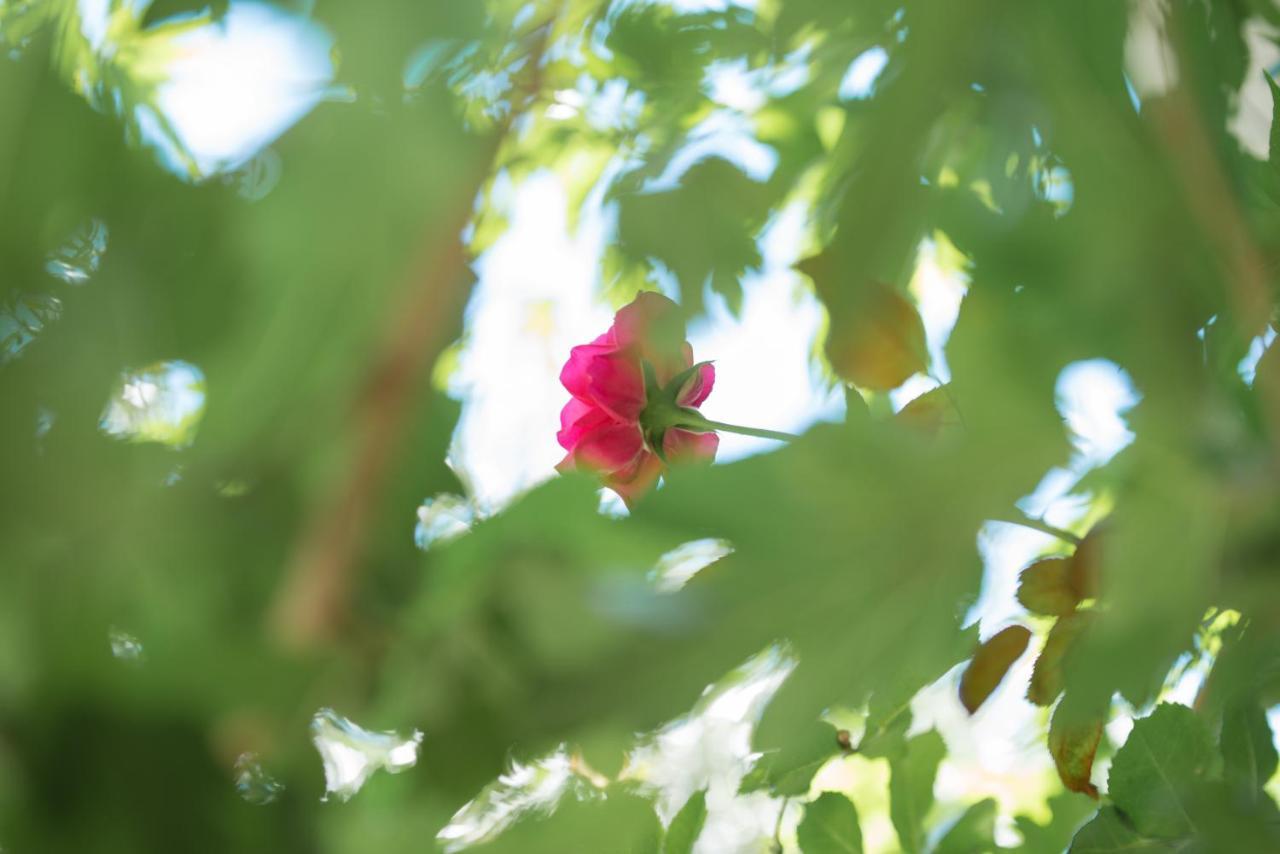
(630, 389)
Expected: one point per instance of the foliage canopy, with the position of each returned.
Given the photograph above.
(251, 562)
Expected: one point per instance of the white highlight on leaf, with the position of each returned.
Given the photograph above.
(253, 783)
(257, 177)
(125, 646)
(710, 749)
(567, 104)
(682, 563)
(860, 80)
(77, 259)
(351, 754)
(732, 84)
(442, 518)
(1250, 122)
(1149, 57)
(22, 319)
(1248, 366)
(535, 788)
(1055, 185)
(160, 403)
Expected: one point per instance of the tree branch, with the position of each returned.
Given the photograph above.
(311, 603)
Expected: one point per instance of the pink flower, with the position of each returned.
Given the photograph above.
(611, 425)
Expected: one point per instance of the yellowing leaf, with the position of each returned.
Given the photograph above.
(883, 343)
(1085, 563)
(1073, 742)
(1045, 587)
(876, 339)
(990, 663)
(931, 412)
(1046, 678)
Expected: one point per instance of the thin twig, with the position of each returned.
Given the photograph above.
(1041, 526)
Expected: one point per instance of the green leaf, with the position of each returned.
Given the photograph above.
(703, 230)
(830, 826)
(1248, 749)
(686, 826)
(1069, 811)
(1108, 833)
(973, 833)
(1274, 150)
(162, 10)
(1226, 821)
(1167, 753)
(626, 819)
(886, 738)
(789, 771)
(911, 788)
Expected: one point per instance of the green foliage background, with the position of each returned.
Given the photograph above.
(854, 546)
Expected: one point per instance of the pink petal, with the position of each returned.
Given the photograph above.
(684, 446)
(639, 481)
(634, 323)
(610, 449)
(698, 386)
(617, 385)
(577, 419)
(574, 376)
(652, 327)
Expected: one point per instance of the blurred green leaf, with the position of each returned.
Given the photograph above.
(911, 788)
(1068, 224)
(686, 826)
(973, 832)
(704, 230)
(1068, 813)
(830, 826)
(1248, 749)
(1108, 833)
(1152, 775)
(788, 772)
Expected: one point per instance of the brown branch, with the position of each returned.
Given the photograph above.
(1210, 198)
(1213, 206)
(311, 604)
(1207, 188)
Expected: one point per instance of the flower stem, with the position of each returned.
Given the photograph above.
(777, 435)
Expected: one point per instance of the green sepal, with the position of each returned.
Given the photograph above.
(661, 412)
